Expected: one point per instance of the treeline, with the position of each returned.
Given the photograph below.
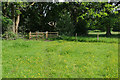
(67, 18)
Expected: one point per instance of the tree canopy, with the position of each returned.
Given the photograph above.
(68, 17)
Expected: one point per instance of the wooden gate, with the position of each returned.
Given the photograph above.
(43, 35)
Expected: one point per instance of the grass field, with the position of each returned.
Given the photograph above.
(61, 58)
(0, 59)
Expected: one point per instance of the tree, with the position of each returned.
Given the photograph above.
(81, 15)
(65, 25)
(44, 13)
(13, 11)
(103, 12)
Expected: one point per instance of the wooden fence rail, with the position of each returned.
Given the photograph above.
(43, 35)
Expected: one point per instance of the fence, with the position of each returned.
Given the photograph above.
(39, 35)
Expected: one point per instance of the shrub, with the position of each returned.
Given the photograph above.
(9, 35)
(26, 36)
(6, 24)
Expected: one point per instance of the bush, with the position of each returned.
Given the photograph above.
(9, 36)
(6, 24)
(26, 36)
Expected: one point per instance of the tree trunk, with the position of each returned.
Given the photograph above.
(108, 31)
(13, 16)
(17, 23)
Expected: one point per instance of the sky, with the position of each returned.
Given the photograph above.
(61, 0)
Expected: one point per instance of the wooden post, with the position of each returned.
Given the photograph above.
(76, 36)
(36, 36)
(98, 36)
(30, 35)
(57, 33)
(46, 34)
(42, 35)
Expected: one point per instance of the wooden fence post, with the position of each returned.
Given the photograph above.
(36, 36)
(30, 35)
(76, 36)
(98, 36)
(46, 34)
(57, 33)
(42, 35)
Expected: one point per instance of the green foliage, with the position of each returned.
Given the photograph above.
(65, 25)
(6, 24)
(81, 27)
(7, 29)
(116, 25)
(18, 12)
(9, 35)
(26, 36)
(107, 21)
(71, 18)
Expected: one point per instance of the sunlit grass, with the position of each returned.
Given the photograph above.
(102, 32)
(59, 59)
